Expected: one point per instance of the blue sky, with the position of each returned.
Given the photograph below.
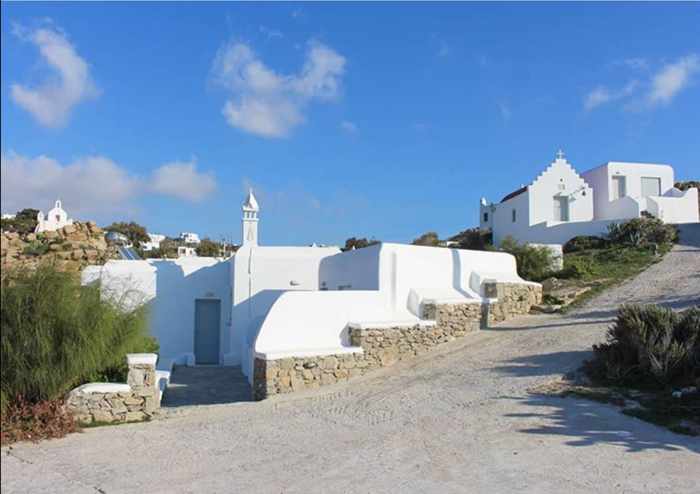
(384, 120)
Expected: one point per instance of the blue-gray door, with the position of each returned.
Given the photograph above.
(207, 317)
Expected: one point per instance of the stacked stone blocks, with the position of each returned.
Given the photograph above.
(133, 403)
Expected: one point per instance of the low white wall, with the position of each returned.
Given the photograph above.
(316, 322)
(676, 206)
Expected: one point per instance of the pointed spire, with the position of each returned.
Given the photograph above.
(560, 155)
(251, 204)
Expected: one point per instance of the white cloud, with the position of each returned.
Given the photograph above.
(270, 32)
(659, 89)
(348, 127)
(93, 186)
(672, 79)
(602, 95)
(597, 97)
(269, 104)
(505, 111)
(182, 180)
(52, 101)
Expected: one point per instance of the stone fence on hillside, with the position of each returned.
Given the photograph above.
(377, 347)
(137, 400)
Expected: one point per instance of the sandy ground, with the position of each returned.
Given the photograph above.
(457, 420)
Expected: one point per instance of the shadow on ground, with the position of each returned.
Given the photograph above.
(585, 422)
(206, 385)
(588, 423)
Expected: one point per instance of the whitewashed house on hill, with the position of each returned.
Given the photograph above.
(190, 238)
(154, 240)
(561, 203)
(56, 218)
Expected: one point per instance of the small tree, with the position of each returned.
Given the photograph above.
(23, 222)
(533, 263)
(208, 248)
(358, 243)
(133, 231)
(429, 238)
(473, 239)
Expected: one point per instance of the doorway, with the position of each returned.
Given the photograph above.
(561, 208)
(207, 331)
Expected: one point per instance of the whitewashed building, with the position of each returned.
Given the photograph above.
(154, 240)
(56, 218)
(561, 203)
(277, 302)
(190, 238)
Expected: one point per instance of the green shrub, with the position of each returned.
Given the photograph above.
(649, 346)
(577, 267)
(473, 239)
(584, 242)
(533, 263)
(35, 248)
(642, 231)
(56, 334)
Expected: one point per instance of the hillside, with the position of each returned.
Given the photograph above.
(71, 248)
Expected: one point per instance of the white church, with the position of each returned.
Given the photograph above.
(561, 203)
(55, 219)
(278, 302)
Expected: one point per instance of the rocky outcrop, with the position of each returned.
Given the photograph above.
(134, 401)
(70, 248)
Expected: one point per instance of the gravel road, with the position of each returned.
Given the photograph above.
(457, 420)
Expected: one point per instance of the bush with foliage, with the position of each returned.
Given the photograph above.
(534, 263)
(429, 239)
(208, 248)
(23, 222)
(57, 334)
(584, 242)
(358, 243)
(133, 231)
(473, 239)
(649, 346)
(642, 231)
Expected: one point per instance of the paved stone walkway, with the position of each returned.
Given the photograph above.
(206, 385)
(459, 419)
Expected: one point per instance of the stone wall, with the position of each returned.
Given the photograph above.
(381, 347)
(513, 299)
(71, 247)
(134, 401)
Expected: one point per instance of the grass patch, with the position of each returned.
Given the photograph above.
(606, 267)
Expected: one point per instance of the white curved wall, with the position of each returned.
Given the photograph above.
(315, 322)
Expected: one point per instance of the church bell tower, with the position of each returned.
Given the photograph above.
(250, 220)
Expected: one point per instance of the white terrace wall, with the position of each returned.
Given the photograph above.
(260, 275)
(170, 287)
(676, 206)
(408, 277)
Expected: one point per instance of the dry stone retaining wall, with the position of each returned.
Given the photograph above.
(382, 347)
(108, 403)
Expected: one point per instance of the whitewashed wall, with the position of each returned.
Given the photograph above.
(170, 287)
(315, 323)
(560, 179)
(260, 276)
